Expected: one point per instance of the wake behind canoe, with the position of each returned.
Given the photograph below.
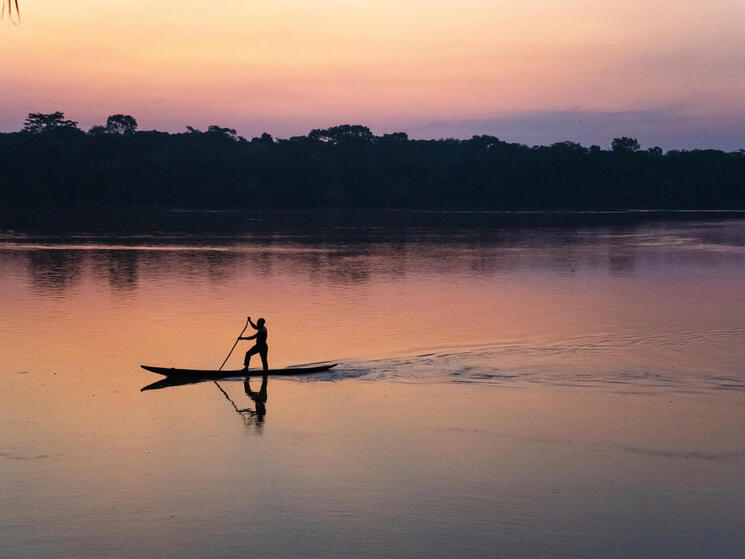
(199, 373)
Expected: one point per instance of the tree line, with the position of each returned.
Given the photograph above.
(52, 163)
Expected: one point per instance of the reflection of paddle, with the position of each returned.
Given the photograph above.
(238, 339)
(178, 381)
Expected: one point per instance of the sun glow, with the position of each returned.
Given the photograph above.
(290, 65)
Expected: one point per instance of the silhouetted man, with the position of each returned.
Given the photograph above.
(261, 347)
(259, 397)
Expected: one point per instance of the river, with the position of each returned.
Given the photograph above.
(507, 384)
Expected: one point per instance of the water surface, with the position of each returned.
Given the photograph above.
(508, 384)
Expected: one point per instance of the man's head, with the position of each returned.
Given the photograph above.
(260, 322)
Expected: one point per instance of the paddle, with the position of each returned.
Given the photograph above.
(235, 344)
(223, 364)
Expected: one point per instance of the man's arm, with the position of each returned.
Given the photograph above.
(252, 324)
(248, 337)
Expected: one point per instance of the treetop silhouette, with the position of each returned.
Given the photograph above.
(51, 163)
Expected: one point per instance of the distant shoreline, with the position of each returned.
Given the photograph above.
(419, 211)
(347, 167)
(341, 210)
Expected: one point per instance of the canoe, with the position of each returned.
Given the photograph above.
(210, 374)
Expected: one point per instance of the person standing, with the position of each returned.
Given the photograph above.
(261, 346)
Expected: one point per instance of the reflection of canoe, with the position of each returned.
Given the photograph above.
(180, 377)
(175, 381)
(196, 373)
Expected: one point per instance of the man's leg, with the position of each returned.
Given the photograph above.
(264, 359)
(253, 351)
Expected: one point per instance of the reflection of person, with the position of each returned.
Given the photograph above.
(259, 397)
(261, 348)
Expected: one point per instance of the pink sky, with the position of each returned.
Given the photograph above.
(534, 71)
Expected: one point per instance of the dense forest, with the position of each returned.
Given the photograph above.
(52, 163)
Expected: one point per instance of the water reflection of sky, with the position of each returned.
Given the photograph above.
(534, 388)
(559, 298)
(55, 258)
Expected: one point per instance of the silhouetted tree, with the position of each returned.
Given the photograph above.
(396, 137)
(228, 132)
(121, 124)
(337, 134)
(655, 151)
(264, 139)
(349, 166)
(568, 146)
(625, 145)
(36, 123)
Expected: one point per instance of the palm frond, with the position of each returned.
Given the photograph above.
(11, 9)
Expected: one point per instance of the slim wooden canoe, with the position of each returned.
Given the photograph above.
(210, 374)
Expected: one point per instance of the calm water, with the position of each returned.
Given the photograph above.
(509, 385)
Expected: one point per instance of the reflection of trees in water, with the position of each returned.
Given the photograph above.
(345, 270)
(621, 259)
(122, 269)
(352, 249)
(352, 258)
(59, 269)
(262, 262)
(221, 266)
(217, 265)
(54, 270)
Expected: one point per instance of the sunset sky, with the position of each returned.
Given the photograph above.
(671, 73)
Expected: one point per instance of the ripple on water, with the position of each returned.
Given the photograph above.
(612, 363)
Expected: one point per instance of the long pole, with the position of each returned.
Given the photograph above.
(235, 344)
(226, 360)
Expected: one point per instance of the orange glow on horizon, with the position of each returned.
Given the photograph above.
(380, 63)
